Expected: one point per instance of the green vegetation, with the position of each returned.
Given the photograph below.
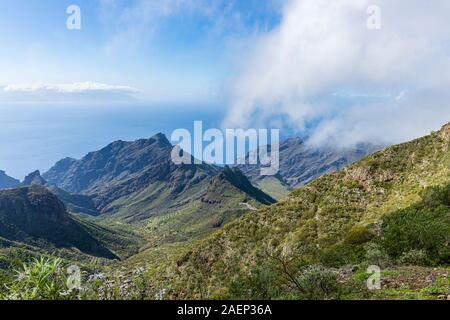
(273, 187)
(42, 279)
(420, 234)
(347, 219)
(54, 279)
(391, 209)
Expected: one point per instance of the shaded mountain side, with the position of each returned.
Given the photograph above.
(121, 239)
(240, 181)
(343, 218)
(75, 203)
(34, 216)
(301, 163)
(7, 181)
(138, 180)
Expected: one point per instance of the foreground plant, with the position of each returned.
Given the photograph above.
(42, 279)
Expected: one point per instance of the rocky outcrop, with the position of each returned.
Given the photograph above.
(34, 216)
(445, 132)
(368, 176)
(34, 178)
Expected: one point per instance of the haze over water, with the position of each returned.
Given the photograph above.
(36, 136)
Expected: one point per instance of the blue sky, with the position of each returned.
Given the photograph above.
(161, 65)
(170, 51)
(311, 68)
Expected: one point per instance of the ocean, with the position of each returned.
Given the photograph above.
(36, 136)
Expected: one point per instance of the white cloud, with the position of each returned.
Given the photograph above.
(322, 47)
(76, 87)
(66, 92)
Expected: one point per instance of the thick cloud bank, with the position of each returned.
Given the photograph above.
(322, 67)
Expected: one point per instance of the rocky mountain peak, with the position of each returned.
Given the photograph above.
(161, 139)
(34, 178)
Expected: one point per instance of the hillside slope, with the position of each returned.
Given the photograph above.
(390, 206)
(301, 163)
(35, 217)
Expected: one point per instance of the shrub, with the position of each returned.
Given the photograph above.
(262, 284)
(376, 255)
(48, 279)
(440, 286)
(358, 235)
(355, 287)
(418, 228)
(414, 257)
(316, 282)
(342, 254)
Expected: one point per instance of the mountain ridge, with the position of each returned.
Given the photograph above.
(137, 180)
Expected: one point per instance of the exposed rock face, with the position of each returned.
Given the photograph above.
(445, 132)
(6, 181)
(35, 216)
(368, 176)
(34, 178)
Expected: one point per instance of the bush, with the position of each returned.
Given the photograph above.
(342, 254)
(359, 235)
(414, 257)
(355, 287)
(418, 228)
(349, 251)
(261, 284)
(317, 283)
(375, 255)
